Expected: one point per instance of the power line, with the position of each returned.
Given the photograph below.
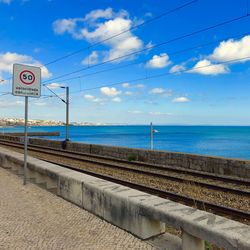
(153, 46)
(159, 75)
(118, 34)
(123, 32)
(162, 75)
(153, 76)
(160, 56)
(54, 93)
(6, 93)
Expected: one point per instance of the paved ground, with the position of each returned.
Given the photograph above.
(32, 218)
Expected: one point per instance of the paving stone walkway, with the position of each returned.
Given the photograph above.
(32, 218)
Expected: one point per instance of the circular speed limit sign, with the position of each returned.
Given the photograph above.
(27, 77)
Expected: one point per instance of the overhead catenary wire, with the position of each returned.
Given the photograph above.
(118, 34)
(162, 75)
(53, 92)
(152, 46)
(6, 93)
(160, 56)
(125, 31)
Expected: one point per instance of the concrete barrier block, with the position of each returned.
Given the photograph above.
(40, 178)
(191, 242)
(216, 229)
(120, 205)
(93, 200)
(142, 225)
(20, 170)
(45, 168)
(3, 161)
(51, 184)
(116, 206)
(31, 174)
(70, 187)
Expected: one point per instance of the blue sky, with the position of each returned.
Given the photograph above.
(197, 87)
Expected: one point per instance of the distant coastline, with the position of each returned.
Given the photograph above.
(16, 122)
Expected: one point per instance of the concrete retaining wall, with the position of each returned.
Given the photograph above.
(34, 134)
(216, 165)
(139, 213)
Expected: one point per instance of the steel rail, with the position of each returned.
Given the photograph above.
(199, 204)
(180, 170)
(80, 158)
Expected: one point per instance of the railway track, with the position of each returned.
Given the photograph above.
(140, 168)
(220, 183)
(232, 213)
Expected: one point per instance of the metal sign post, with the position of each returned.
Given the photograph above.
(25, 141)
(27, 83)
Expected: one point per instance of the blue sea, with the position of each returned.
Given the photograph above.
(226, 141)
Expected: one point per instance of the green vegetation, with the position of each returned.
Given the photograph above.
(209, 246)
(131, 157)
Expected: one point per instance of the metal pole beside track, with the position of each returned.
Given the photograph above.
(67, 114)
(151, 136)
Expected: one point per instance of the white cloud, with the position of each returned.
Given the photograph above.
(159, 61)
(111, 92)
(140, 86)
(54, 85)
(40, 103)
(161, 91)
(157, 91)
(92, 98)
(205, 67)
(159, 113)
(20, 102)
(99, 101)
(99, 13)
(119, 46)
(9, 104)
(128, 93)
(154, 113)
(5, 1)
(89, 97)
(232, 49)
(91, 59)
(8, 59)
(151, 102)
(61, 26)
(177, 68)
(181, 99)
(226, 51)
(135, 112)
(125, 85)
(117, 99)
(168, 93)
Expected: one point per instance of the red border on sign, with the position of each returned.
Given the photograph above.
(34, 78)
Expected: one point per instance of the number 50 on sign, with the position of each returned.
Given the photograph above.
(26, 80)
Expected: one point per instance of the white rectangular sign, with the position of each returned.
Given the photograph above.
(26, 80)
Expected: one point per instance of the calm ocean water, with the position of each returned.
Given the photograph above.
(233, 141)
